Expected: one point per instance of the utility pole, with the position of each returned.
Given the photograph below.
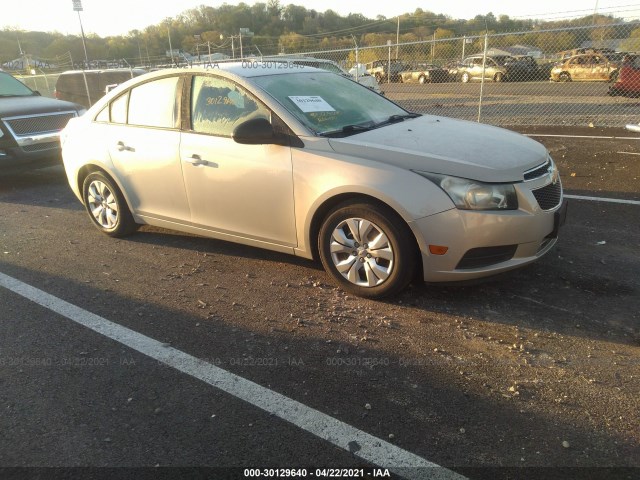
(397, 37)
(170, 47)
(77, 7)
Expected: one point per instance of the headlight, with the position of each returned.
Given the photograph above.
(473, 195)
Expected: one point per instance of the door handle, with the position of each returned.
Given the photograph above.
(122, 147)
(196, 160)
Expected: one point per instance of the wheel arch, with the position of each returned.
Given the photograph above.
(90, 168)
(329, 204)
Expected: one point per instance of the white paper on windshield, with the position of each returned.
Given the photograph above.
(311, 103)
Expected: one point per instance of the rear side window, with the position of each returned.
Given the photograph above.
(118, 109)
(154, 104)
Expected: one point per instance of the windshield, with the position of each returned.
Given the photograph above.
(12, 87)
(325, 102)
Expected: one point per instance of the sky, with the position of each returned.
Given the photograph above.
(118, 17)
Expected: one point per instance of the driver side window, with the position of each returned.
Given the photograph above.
(218, 105)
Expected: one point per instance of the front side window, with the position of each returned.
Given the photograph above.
(153, 104)
(218, 105)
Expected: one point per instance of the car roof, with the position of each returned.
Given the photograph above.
(245, 69)
(72, 72)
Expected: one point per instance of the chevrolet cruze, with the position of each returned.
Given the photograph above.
(304, 161)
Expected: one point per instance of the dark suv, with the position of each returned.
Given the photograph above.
(86, 87)
(30, 124)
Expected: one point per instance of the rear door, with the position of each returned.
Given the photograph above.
(143, 140)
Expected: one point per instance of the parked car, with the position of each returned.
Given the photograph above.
(309, 163)
(385, 71)
(454, 68)
(424, 73)
(588, 67)
(30, 125)
(359, 74)
(498, 68)
(529, 69)
(331, 66)
(628, 81)
(72, 85)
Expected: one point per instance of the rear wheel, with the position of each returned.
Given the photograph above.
(498, 77)
(422, 79)
(106, 206)
(378, 77)
(367, 249)
(464, 78)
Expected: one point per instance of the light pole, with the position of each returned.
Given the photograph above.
(77, 7)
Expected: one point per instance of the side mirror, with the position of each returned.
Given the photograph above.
(257, 131)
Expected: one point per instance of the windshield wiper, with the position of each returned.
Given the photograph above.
(347, 130)
(400, 118)
(358, 128)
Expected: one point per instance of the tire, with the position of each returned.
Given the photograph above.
(498, 77)
(378, 77)
(347, 252)
(613, 78)
(464, 78)
(106, 206)
(422, 79)
(564, 77)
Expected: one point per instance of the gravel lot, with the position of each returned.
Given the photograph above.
(530, 375)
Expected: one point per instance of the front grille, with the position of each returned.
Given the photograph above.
(36, 124)
(549, 197)
(537, 172)
(38, 147)
(486, 256)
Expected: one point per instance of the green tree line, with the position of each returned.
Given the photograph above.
(293, 28)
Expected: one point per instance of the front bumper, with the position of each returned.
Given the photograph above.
(40, 155)
(484, 243)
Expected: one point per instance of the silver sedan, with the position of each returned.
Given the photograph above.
(307, 162)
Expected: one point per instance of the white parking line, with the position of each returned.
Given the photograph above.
(580, 136)
(342, 435)
(603, 199)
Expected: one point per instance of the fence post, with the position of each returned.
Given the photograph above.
(389, 64)
(484, 65)
(86, 85)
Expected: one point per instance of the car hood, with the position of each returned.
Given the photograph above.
(10, 106)
(447, 146)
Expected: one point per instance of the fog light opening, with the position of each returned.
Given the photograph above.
(438, 249)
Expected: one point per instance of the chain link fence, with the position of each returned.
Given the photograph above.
(545, 77)
(539, 77)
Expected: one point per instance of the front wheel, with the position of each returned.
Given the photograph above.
(498, 77)
(106, 206)
(422, 79)
(564, 77)
(465, 78)
(367, 249)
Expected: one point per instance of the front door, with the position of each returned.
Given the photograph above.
(240, 190)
